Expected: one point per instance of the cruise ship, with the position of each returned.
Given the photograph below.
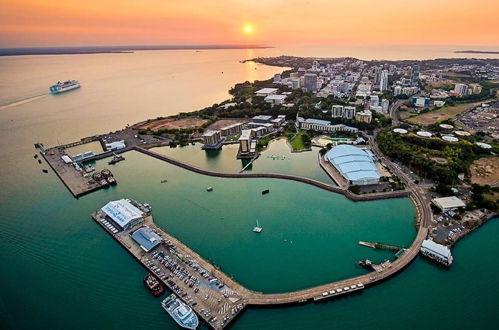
(62, 87)
(180, 312)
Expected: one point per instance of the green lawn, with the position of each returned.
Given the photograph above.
(297, 142)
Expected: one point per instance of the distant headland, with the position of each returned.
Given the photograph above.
(114, 49)
(476, 52)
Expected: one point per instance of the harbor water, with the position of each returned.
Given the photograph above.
(62, 271)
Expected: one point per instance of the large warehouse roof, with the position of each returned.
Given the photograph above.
(447, 203)
(146, 238)
(437, 249)
(353, 163)
(122, 212)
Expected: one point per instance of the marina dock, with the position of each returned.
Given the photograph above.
(219, 299)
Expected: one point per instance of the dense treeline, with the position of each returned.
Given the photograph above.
(416, 153)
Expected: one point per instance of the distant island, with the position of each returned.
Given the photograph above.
(113, 49)
(476, 52)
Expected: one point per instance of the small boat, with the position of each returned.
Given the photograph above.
(153, 285)
(116, 159)
(111, 180)
(45, 171)
(367, 264)
(164, 181)
(257, 229)
(209, 189)
(266, 191)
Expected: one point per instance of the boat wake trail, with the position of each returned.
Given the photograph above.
(23, 101)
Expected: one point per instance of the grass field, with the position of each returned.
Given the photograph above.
(297, 142)
(442, 114)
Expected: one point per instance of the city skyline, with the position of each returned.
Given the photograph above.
(32, 23)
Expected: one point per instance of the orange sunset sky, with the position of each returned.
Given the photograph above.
(271, 22)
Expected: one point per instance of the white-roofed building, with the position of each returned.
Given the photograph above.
(116, 145)
(448, 203)
(264, 92)
(435, 251)
(354, 164)
(275, 99)
(123, 213)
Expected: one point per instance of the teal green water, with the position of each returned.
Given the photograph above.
(59, 270)
(277, 158)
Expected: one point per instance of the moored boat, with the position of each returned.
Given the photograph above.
(367, 264)
(153, 285)
(180, 312)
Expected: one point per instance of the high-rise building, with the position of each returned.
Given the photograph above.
(461, 89)
(385, 104)
(374, 101)
(397, 90)
(349, 112)
(383, 80)
(364, 116)
(310, 82)
(377, 74)
(415, 75)
(337, 111)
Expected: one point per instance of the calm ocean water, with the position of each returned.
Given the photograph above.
(61, 271)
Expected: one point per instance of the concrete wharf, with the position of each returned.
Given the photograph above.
(226, 303)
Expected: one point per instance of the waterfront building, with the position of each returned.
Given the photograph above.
(146, 238)
(277, 78)
(310, 82)
(231, 129)
(337, 111)
(247, 144)
(349, 112)
(264, 92)
(437, 252)
(117, 145)
(323, 126)
(461, 89)
(415, 75)
(123, 213)
(212, 140)
(448, 203)
(364, 116)
(275, 99)
(383, 80)
(82, 156)
(354, 164)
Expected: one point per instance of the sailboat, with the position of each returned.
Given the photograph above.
(257, 229)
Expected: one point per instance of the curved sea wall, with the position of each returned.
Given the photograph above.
(318, 184)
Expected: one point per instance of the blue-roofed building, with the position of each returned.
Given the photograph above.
(146, 238)
(354, 164)
(123, 213)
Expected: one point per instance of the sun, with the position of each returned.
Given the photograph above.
(248, 29)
